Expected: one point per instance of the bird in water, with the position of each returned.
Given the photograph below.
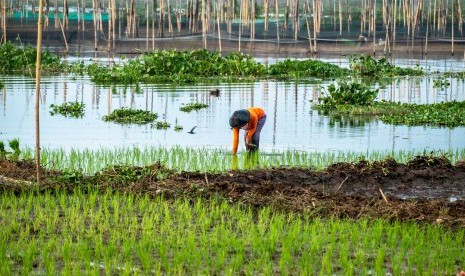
(192, 130)
(215, 92)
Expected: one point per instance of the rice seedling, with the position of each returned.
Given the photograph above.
(87, 161)
(106, 232)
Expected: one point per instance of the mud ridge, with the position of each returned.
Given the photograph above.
(425, 189)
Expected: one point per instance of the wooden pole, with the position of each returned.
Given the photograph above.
(452, 29)
(38, 69)
(218, 21)
(146, 25)
(267, 7)
(204, 27)
(306, 10)
(94, 8)
(276, 7)
(4, 21)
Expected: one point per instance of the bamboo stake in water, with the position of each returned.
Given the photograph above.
(38, 69)
(267, 6)
(147, 25)
(4, 21)
(218, 21)
(306, 10)
(162, 19)
(204, 30)
(276, 6)
(95, 24)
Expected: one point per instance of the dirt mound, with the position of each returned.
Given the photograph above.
(424, 189)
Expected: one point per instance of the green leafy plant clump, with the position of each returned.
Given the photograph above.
(369, 66)
(69, 109)
(192, 106)
(22, 60)
(11, 155)
(450, 114)
(131, 116)
(305, 68)
(441, 83)
(347, 92)
(161, 125)
(179, 67)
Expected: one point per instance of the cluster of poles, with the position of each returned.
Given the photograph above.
(437, 18)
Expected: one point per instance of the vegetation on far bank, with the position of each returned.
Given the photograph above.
(181, 67)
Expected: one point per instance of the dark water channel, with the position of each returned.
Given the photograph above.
(291, 123)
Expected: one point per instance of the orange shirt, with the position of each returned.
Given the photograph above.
(255, 114)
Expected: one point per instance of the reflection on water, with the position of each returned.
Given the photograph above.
(291, 123)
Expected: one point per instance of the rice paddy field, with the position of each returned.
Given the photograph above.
(78, 227)
(89, 232)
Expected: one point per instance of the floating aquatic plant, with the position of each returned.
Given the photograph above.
(68, 109)
(131, 116)
(161, 125)
(192, 106)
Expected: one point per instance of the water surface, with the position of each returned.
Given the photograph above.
(291, 123)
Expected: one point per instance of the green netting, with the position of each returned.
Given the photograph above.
(71, 16)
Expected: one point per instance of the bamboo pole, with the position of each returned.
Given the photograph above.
(306, 10)
(276, 7)
(204, 27)
(95, 24)
(266, 4)
(459, 16)
(161, 26)
(113, 22)
(427, 27)
(374, 27)
(170, 24)
(340, 17)
(65, 15)
(154, 9)
(394, 24)
(146, 25)
(64, 35)
(83, 5)
(57, 25)
(452, 29)
(240, 28)
(296, 20)
(219, 30)
(252, 28)
(38, 70)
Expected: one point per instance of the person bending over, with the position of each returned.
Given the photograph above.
(251, 120)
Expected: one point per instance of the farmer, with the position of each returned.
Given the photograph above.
(251, 120)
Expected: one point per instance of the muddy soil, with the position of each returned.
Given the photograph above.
(426, 189)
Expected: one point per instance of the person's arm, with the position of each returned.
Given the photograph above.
(235, 143)
(252, 127)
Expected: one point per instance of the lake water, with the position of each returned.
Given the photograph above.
(291, 123)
